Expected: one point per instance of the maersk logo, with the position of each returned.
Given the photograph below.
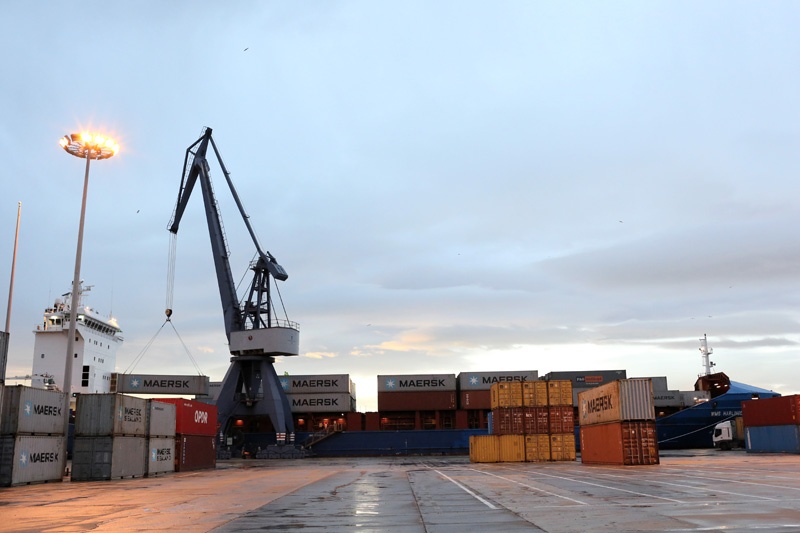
(26, 458)
(28, 408)
(46, 410)
(285, 384)
(491, 380)
(161, 454)
(315, 402)
(391, 383)
(135, 382)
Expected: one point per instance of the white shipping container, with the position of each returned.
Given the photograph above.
(311, 384)
(160, 455)
(32, 411)
(102, 458)
(30, 459)
(160, 419)
(337, 402)
(101, 415)
(621, 400)
(469, 381)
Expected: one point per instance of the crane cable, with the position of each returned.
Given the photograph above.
(173, 246)
(139, 357)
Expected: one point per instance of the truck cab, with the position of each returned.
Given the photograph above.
(729, 434)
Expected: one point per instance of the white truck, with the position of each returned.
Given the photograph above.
(729, 434)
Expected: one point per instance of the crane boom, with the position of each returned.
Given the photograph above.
(251, 389)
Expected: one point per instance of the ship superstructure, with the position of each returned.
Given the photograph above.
(97, 339)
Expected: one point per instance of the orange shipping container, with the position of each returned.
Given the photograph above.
(506, 394)
(620, 443)
(559, 392)
(537, 448)
(534, 393)
(562, 447)
(484, 449)
(512, 448)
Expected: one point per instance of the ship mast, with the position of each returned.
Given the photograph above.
(706, 351)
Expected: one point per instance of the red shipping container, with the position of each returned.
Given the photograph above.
(195, 452)
(509, 420)
(417, 401)
(620, 443)
(355, 421)
(536, 420)
(777, 411)
(193, 418)
(475, 399)
(372, 422)
(561, 419)
(462, 420)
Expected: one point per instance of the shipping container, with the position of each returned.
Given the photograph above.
(537, 420)
(322, 402)
(195, 452)
(462, 419)
(484, 449)
(621, 400)
(561, 419)
(160, 419)
(30, 459)
(559, 392)
(512, 448)
(776, 411)
(773, 439)
(417, 383)
(193, 417)
(103, 458)
(537, 448)
(586, 378)
(475, 399)
(313, 384)
(160, 455)
(355, 421)
(474, 381)
(506, 395)
(562, 446)
(102, 415)
(372, 421)
(620, 443)
(416, 401)
(509, 420)
(32, 411)
(534, 394)
(159, 384)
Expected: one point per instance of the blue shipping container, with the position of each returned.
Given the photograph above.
(773, 439)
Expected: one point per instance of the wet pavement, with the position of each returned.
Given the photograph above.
(688, 491)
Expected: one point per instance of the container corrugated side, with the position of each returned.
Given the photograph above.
(322, 402)
(195, 452)
(621, 400)
(104, 458)
(484, 449)
(537, 448)
(773, 439)
(30, 459)
(160, 419)
(620, 443)
(561, 419)
(193, 417)
(475, 399)
(562, 447)
(160, 456)
(102, 415)
(512, 448)
(506, 395)
(32, 411)
(777, 411)
(417, 401)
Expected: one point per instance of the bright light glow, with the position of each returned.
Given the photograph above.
(88, 145)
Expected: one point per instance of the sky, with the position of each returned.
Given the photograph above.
(451, 186)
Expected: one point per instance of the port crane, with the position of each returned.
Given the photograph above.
(251, 393)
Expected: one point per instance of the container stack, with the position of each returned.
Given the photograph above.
(772, 425)
(32, 425)
(474, 394)
(617, 423)
(318, 402)
(160, 438)
(531, 421)
(195, 434)
(110, 437)
(418, 401)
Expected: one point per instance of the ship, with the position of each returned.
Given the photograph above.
(97, 340)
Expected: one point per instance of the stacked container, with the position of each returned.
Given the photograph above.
(418, 401)
(617, 423)
(160, 438)
(110, 437)
(319, 401)
(772, 425)
(531, 421)
(32, 425)
(195, 434)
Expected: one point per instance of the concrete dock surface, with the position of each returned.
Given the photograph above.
(701, 490)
